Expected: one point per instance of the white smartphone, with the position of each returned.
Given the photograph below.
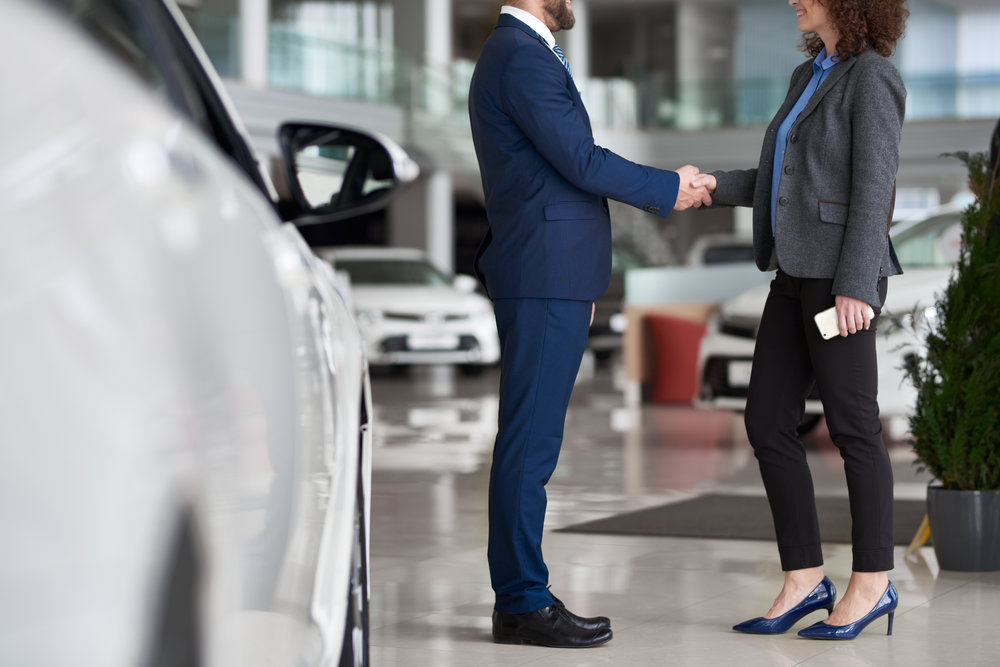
(826, 322)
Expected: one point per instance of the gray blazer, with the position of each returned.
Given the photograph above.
(838, 176)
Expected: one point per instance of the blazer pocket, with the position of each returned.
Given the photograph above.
(833, 212)
(571, 210)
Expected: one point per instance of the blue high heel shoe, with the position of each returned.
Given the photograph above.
(822, 597)
(886, 605)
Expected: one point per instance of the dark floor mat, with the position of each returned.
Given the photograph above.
(743, 518)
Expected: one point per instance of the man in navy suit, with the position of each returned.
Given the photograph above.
(545, 258)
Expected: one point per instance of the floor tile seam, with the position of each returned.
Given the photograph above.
(459, 649)
(953, 590)
(400, 621)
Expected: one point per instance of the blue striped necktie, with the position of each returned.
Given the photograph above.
(562, 59)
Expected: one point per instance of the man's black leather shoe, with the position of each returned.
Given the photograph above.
(591, 623)
(550, 626)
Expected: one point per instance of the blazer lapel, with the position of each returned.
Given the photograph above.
(835, 75)
(799, 83)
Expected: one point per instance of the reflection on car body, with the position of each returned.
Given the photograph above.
(185, 407)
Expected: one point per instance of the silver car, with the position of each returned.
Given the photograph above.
(185, 405)
(927, 249)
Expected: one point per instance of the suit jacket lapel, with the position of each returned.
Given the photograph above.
(508, 21)
(835, 75)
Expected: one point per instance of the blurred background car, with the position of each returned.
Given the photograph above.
(927, 249)
(186, 406)
(610, 320)
(412, 313)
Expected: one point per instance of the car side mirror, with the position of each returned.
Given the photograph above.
(335, 173)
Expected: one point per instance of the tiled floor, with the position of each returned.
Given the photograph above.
(672, 601)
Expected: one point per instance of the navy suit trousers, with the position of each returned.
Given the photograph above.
(542, 344)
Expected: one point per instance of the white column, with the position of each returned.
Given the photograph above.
(422, 32)
(703, 63)
(441, 221)
(422, 215)
(576, 42)
(254, 20)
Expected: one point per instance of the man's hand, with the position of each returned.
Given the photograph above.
(689, 195)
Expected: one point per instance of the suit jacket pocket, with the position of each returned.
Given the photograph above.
(572, 210)
(833, 212)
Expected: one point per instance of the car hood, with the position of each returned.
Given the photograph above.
(917, 286)
(417, 300)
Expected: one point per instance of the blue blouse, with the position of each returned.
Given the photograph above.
(821, 68)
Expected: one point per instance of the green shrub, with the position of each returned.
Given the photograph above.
(956, 423)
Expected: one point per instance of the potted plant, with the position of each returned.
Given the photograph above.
(955, 426)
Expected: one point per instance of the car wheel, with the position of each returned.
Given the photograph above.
(354, 651)
(603, 356)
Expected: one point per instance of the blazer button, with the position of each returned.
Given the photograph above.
(783, 201)
(794, 138)
(789, 169)
(652, 209)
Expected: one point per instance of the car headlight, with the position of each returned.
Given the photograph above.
(369, 317)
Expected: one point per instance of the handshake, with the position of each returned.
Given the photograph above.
(695, 188)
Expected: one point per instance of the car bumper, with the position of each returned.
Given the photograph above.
(724, 372)
(469, 343)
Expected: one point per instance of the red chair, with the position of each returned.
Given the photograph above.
(675, 342)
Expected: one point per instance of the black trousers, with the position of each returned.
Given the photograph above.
(789, 356)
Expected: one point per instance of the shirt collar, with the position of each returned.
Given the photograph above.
(822, 62)
(532, 22)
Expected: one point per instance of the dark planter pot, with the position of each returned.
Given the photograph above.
(965, 528)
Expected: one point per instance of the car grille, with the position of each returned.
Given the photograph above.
(426, 317)
(401, 344)
(740, 327)
(715, 380)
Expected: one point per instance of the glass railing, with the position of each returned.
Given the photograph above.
(319, 66)
(219, 35)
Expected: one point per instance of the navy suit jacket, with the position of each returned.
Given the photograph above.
(545, 180)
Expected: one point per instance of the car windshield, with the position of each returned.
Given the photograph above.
(934, 242)
(411, 272)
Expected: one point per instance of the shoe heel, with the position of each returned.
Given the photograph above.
(891, 614)
(829, 608)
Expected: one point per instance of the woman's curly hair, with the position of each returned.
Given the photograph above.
(863, 25)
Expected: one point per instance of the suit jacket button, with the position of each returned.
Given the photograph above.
(794, 138)
(652, 209)
(789, 169)
(783, 201)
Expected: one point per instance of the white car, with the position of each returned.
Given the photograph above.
(185, 404)
(927, 249)
(412, 313)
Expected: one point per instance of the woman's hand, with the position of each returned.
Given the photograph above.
(852, 315)
(706, 181)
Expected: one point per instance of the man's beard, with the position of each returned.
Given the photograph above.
(561, 14)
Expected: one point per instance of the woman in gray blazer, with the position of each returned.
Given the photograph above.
(822, 198)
